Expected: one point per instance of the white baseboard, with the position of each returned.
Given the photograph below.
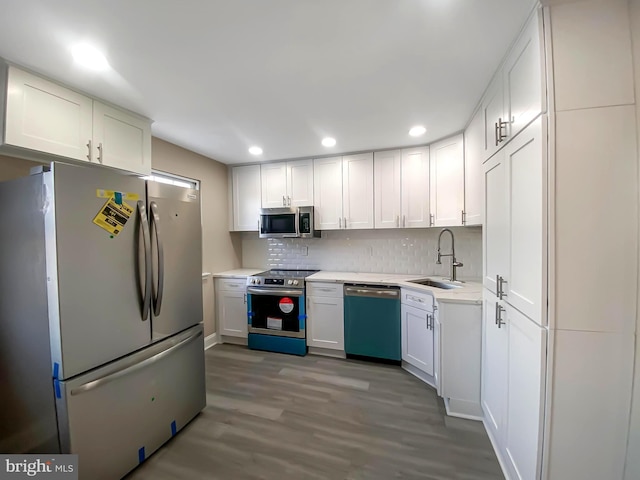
(327, 352)
(463, 409)
(210, 340)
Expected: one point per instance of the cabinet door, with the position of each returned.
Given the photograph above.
(300, 183)
(121, 140)
(437, 351)
(273, 177)
(327, 193)
(232, 313)
(325, 322)
(492, 112)
(524, 94)
(417, 338)
(447, 181)
(526, 204)
(494, 367)
(246, 197)
(415, 188)
(386, 188)
(46, 117)
(473, 177)
(525, 400)
(357, 190)
(494, 233)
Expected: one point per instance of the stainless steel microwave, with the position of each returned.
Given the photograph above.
(292, 222)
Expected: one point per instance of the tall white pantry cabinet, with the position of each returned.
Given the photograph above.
(561, 246)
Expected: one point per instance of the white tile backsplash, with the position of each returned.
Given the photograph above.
(410, 251)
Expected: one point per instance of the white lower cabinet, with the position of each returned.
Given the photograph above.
(417, 330)
(325, 316)
(417, 338)
(231, 307)
(513, 386)
(460, 355)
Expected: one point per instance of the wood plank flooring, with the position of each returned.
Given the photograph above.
(273, 416)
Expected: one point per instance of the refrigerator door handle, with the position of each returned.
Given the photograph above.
(146, 237)
(135, 367)
(159, 293)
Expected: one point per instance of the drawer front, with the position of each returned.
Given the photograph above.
(316, 289)
(420, 300)
(232, 284)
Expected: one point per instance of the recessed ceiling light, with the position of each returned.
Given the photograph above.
(255, 151)
(328, 142)
(89, 57)
(417, 131)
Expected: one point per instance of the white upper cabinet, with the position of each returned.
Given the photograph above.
(524, 92)
(473, 175)
(274, 185)
(43, 116)
(245, 185)
(516, 95)
(447, 181)
(493, 118)
(300, 183)
(386, 190)
(495, 247)
(46, 118)
(401, 190)
(327, 193)
(357, 191)
(287, 184)
(121, 140)
(415, 188)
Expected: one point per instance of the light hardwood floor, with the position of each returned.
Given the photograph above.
(273, 416)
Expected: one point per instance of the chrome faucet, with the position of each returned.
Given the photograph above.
(454, 262)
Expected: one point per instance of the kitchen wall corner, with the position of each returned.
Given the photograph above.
(220, 250)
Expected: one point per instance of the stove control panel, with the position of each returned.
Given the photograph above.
(254, 281)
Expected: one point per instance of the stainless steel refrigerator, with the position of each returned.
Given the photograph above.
(101, 340)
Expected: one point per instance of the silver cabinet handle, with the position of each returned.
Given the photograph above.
(284, 201)
(339, 222)
(345, 222)
(244, 298)
(159, 290)
(431, 220)
(499, 310)
(500, 281)
(135, 367)
(500, 126)
(404, 221)
(462, 217)
(415, 299)
(397, 220)
(288, 200)
(146, 238)
(428, 316)
(89, 147)
(100, 152)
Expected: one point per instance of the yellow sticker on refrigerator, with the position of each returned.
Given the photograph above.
(112, 217)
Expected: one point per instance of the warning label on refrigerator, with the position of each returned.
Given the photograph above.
(113, 216)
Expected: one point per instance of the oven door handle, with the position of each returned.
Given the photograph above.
(275, 291)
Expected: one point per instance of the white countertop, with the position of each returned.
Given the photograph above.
(470, 292)
(239, 272)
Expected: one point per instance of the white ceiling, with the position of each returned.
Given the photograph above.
(218, 76)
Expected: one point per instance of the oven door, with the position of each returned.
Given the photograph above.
(279, 223)
(276, 311)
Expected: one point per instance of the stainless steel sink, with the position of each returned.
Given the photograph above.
(435, 283)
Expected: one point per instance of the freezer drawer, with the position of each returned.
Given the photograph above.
(118, 415)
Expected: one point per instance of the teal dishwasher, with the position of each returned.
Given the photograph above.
(372, 322)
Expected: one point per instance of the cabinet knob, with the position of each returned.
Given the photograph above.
(89, 147)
